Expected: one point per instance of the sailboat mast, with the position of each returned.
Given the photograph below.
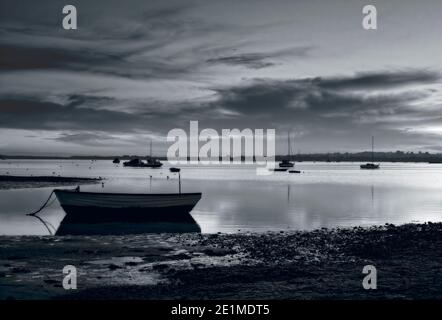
(150, 152)
(372, 148)
(288, 144)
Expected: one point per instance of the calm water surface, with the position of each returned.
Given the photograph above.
(235, 199)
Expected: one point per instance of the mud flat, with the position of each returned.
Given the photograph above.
(19, 182)
(320, 264)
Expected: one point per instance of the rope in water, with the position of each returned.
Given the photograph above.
(45, 223)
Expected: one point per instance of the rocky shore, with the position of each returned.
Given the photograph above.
(320, 264)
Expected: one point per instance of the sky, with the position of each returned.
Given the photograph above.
(136, 69)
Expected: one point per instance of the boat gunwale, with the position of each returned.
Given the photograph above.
(128, 194)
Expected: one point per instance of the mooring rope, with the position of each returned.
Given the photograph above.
(42, 207)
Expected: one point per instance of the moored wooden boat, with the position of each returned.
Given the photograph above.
(91, 207)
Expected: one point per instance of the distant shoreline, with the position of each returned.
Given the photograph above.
(397, 156)
(18, 182)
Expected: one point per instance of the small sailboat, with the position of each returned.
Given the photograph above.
(371, 165)
(151, 161)
(286, 163)
(116, 161)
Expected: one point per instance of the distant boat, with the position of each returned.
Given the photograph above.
(174, 169)
(150, 163)
(371, 165)
(153, 163)
(294, 171)
(134, 163)
(116, 160)
(286, 163)
(138, 163)
(92, 207)
(280, 169)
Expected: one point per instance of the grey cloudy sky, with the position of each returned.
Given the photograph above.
(136, 69)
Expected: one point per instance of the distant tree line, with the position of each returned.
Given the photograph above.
(397, 156)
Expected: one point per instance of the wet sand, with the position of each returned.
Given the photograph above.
(19, 182)
(321, 264)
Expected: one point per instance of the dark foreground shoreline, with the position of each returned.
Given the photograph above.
(321, 264)
(19, 182)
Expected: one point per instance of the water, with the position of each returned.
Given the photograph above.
(235, 199)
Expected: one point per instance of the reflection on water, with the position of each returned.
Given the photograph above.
(234, 198)
(125, 228)
(66, 228)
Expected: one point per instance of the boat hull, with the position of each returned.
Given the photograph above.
(286, 165)
(370, 166)
(85, 207)
(144, 165)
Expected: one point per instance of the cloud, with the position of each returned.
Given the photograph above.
(250, 60)
(328, 94)
(87, 138)
(138, 44)
(380, 80)
(36, 115)
(25, 58)
(261, 60)
(305, 105)
(326, 108)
